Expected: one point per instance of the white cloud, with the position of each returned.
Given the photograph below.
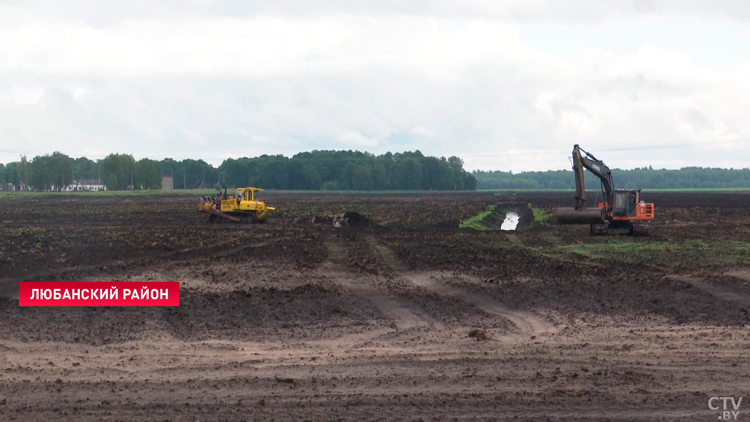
(201, 83)
(257, 48)
(104, 13)
(26, 94)
(357, 140)
(423, 132)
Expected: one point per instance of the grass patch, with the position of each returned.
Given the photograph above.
(617, 249)
(690, 253)
(481, 221)
(540, 216)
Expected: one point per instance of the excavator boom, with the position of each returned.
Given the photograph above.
(581, 214)
(598, 169)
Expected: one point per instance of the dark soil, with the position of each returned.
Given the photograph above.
(304, 319)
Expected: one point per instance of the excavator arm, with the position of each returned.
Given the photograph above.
(582, 214)
(598, 169)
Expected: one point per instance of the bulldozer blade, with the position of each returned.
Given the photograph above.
(203, 207)
(570, 215)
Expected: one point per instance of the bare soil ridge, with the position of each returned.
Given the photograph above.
(295, 320)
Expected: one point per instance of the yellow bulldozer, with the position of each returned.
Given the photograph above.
(242, 207)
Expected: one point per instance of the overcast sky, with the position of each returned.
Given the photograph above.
(508, 85)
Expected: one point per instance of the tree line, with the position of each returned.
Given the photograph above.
(316, 170)
(116, 172)
(348, 170)
(645, 177)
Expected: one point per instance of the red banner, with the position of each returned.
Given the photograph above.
(99, 293)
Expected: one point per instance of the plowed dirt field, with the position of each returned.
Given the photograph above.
(297, 319)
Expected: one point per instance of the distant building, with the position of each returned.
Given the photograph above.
(167, 183)
(85, 185)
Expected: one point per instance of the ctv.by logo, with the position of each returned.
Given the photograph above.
(729, 406)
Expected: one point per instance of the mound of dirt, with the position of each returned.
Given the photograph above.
(347, 219)
(354, 219)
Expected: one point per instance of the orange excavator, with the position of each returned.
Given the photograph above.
(619, 208)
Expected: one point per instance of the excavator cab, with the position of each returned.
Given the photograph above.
(625, 202)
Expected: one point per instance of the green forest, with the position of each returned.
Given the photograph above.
(315, 170)
(646, 178)
(335, 170)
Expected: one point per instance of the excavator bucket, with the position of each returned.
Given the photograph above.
(570, 215)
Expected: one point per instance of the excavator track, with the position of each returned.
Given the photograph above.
(599, 229)
(640, 230)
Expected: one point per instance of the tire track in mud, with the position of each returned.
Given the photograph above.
(718, 292)
(403, 318)
(741, 274)
(9, 285)
(526, 323)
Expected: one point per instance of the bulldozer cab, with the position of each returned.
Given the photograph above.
(250, 194)
(246, 194)
(625, 202)
(244, 199)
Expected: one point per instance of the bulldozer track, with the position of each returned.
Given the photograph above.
(106, 226)
(741, 274)
(9, 285)
(388, 305)
(527, 324)
(718, 292)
